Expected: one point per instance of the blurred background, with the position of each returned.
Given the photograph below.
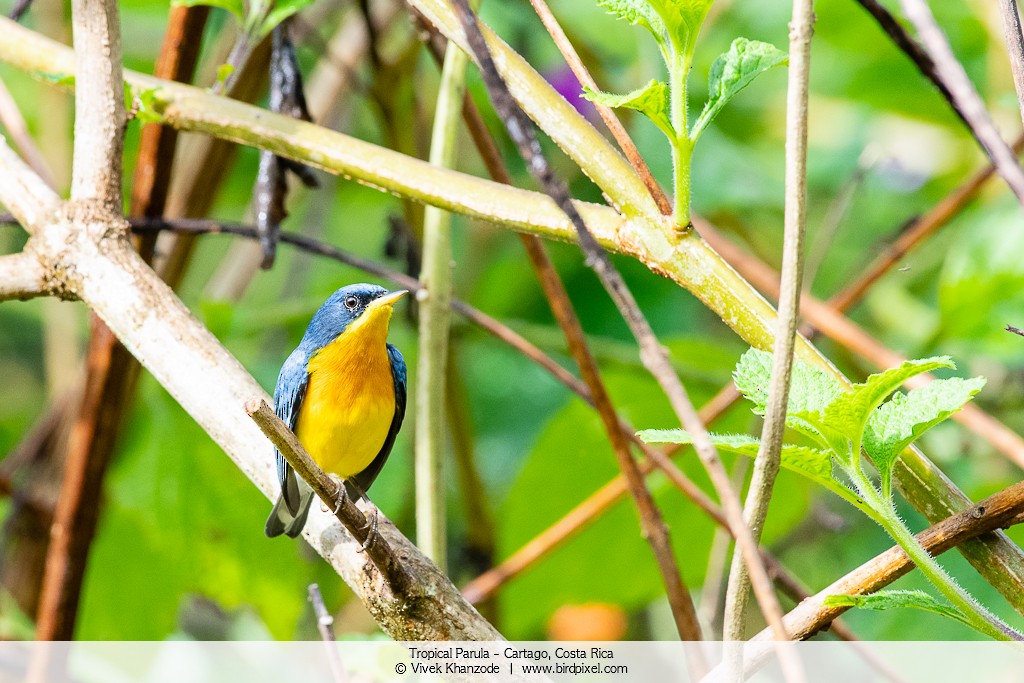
(180, 551)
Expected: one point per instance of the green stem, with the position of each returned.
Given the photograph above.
(979, 617)
(435, 322)
(682, 148)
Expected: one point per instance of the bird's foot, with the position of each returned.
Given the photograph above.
(372, 534)
(342, 495)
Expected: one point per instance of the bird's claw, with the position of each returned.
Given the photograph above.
(371, 536)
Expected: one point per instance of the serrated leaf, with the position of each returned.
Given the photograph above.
(901, 420)
(638, 12)
(651, 100)
(896, 599)
(809, 462)
(234, 6)
(281, 11)
(849, 413)
(732, 72)
(811, 390)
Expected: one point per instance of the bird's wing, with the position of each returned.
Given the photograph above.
(288, 395)
(398, 373)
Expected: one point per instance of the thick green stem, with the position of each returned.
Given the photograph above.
(435, 322)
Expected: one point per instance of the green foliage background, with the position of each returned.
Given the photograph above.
(181, 531)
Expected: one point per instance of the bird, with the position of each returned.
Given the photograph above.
(343, 392)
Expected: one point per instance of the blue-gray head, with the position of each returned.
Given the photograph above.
(349, 308)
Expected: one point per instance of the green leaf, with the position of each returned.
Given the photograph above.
(234, 6)
(683, 19)
(811, 391)
(732, 72)
(901, 420)
(651, 100)
(896, 599)
(848, 414)
(806, 461)
(637, 12)
(281, 11)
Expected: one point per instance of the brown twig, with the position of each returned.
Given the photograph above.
(972, 107)
(325, 624)
(1011, 328)
(615, 126)
(1015, 46)
(913, 50)
(95, 192)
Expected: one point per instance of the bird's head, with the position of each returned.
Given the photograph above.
(349, 309)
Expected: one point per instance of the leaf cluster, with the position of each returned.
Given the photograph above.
(844, 423)
(675, 25)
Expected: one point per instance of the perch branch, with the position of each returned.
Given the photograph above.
(330, 492)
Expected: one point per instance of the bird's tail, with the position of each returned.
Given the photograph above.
(287, 520)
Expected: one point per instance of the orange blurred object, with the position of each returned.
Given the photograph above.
(592, 621)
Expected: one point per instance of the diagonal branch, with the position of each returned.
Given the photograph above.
(963, 93)
(1015, 46)
(999, 511)
(652, 353)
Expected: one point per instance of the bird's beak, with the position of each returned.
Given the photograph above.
(390, 298)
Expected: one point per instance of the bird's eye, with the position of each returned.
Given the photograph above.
(351, 303)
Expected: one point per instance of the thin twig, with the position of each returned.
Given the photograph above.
(615, 126)
(769, 454)
(325, 624)
(952, 72)
(330, 492)
(913, 50)
(1011, 328)
(619, 433)
(1015, 46)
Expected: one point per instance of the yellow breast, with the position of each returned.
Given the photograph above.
(350, 399)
